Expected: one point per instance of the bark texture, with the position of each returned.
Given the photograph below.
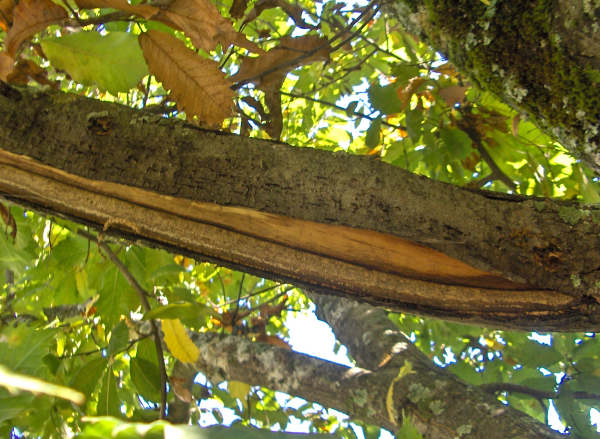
(541, 57)
(542, 244)
(419, 389)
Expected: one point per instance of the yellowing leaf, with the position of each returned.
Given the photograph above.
(197, 84)
(405, 370)
(179, 343)
(30, 17)
(202, 22)
(238, 389)
(146, 11)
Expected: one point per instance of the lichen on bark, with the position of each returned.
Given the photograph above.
(530, 53)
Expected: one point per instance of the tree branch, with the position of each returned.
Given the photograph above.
(535, 393)
(143, 296)
(421, 393)
(345, 110)
(377, 344)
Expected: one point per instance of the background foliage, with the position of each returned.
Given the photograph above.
(325, 74)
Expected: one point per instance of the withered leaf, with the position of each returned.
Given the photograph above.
(286, 56)
(202, 22)
(197, 84)
(9, 220)
(30, 17)
(6, 13)
(7, 66)
(146, 11)
(453, 94)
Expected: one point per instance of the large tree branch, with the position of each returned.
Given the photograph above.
(542, 57)
(420, 393)
(331, 222)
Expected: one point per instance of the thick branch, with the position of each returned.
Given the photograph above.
(421, 393)
(541, 57)
(331, 222)
(377, 344)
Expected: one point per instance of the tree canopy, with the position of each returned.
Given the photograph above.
(182, 177)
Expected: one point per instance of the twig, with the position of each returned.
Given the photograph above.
(311, 52)
(355, 113)
(485, 155)
(538, 394)
(255, 293)
(113, 16)
(237, 304)
(142, 294)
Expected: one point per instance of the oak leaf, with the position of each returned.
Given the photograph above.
(197, 84)
(30, 17)
(146, 11)
(203, 23)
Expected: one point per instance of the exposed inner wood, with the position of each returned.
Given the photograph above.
(367, 248)
(340, 260)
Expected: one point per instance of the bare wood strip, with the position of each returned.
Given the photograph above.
(367, 248)
(470, 304)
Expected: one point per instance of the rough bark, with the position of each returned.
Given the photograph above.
(424, 392)
(550, 249)
(541, 57)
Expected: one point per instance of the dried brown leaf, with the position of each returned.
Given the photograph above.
(238, 8)
(146, 11)
(26, 70)
(30, 17)
(453, 94)
(286, 56)
(197, 84)
(9, 220)
(7, 66)
(206, 27)
(6, 13)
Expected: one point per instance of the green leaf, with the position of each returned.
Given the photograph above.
(459, 144)
(24, 349)
(119, 339)
(146, 377)
(408, 430)
(102, 427)
(108, 399)
(385, 99)
(374, 134)
(86, 378)
(12, 405)
(404, 72)
(413, 124)
(113, 62)
(184, 311)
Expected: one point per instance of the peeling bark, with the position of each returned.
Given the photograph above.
(531, 264)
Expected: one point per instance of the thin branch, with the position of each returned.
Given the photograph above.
(237, 302)
(338, 107)
(485, 155)
(142, 294)
(311, 52)
(255, 293)
(114, 16)
(538, 394)
(359, 30)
